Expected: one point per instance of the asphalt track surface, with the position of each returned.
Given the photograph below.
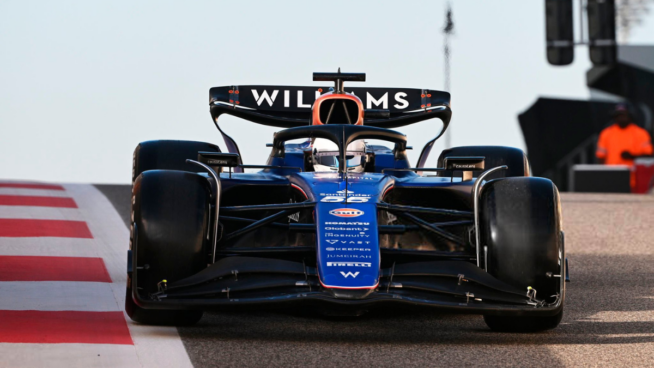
(608, 320)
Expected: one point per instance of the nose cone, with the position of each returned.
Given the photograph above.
(348, 247)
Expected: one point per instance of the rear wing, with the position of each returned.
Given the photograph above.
(290, 106)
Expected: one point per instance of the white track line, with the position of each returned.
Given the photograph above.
(58, 296)
(33, 192)
(50, 247)
(155, 346)
(43, 213)
(69, 355)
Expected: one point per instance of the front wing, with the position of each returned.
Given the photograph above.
(249, 282)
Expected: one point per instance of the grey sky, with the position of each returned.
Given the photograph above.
(82, 82)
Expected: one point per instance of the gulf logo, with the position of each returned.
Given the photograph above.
(346, 212)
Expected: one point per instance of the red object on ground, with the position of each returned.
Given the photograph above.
(31, 186)
(38, 268)
(643, 175)
(24, 228)
(37, 201)
(64, 327)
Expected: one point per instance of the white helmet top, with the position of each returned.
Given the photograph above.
(326, 156)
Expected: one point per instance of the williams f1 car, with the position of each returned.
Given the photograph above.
(338, 224)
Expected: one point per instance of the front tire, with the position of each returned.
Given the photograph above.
(171, 214)
(520, 227)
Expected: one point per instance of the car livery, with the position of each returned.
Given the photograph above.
(338, 223)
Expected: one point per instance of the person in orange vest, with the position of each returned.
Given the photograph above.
(622, 142)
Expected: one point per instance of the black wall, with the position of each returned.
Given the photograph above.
(553, 128)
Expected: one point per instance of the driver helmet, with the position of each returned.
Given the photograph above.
(326, 156)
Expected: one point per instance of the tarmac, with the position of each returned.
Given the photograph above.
(608, 319)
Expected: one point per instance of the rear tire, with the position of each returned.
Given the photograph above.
(520, 225)
(170, 212)
(168, 155)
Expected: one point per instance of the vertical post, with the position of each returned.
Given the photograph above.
(448, 30)
(582, 8)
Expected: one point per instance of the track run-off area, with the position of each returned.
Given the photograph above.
(62, 288)
(62, 284)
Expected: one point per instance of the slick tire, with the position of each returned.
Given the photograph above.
(514, 158)
(168, 155)
(170, 221)
(520, 227)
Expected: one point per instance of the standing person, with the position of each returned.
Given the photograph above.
(623, 141)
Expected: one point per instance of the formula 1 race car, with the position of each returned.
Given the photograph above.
(338, 224)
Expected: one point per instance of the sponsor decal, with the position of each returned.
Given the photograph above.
(340, 196)
(338, 228)
(348, 274)
(331, 199)
(338, 176)
(217, 162)
(348, 223)
(332, 235)
(359, 178)
(303, 97)
(349, 256)
(331, 249)
(348, 245)
(346, 212)
(349, 264)
(326, 176)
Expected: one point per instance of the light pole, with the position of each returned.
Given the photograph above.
(448, 31)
